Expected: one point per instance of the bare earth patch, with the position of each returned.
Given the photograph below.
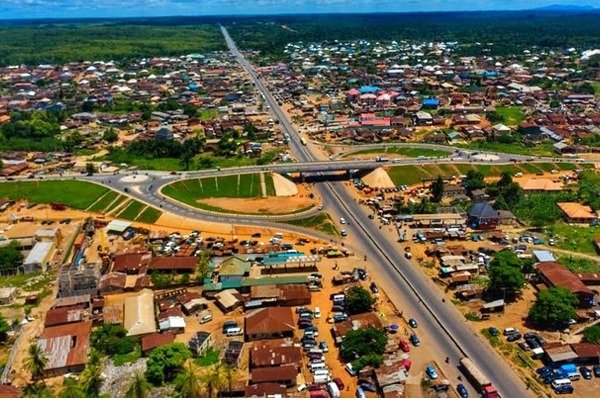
(264, 205)
(283, 186)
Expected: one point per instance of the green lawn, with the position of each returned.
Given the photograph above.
(115, 204)
(270, 185)
(411, 152)
(542, 150)
(75, 194)
(210, 357)
(236, 186)
(103, 202)
(149, 215)
(321, 222)
(121, 359)
(596, 86)
(510, 115)
(574, 238)
(208, 113)
(198, 162)
(576, 264)
(132, 210)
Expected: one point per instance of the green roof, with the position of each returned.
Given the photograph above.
(275, 280)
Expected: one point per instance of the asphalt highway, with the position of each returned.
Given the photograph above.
(441, 320)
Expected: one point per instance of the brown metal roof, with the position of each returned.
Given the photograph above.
(274, 374)
(559, 275)
(154, 340)
(66, 345)
(270, 353)
(270, 320)
(174, 263)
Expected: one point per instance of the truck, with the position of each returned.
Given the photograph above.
(478, 378)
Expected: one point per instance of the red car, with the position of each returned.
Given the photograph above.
(404, 346)
(339, 383)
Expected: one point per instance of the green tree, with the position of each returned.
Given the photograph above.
(358, 300)
(89, 168)
(191, 110)
(4, 328)
(35, 362)
(111, 340)
(203, 265)
(186, 159)
(138, 388)
(215, 378)
(110, 135)
(189, 382)
(437, 190)
(506, 274)
(10, 256)
(591, 334)
(91, 377)
(474, 180)
(165, 362)
(364, 343)
(553, 308)
(71, 389)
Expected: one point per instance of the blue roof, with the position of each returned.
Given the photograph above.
(431, 102)
(543, 256)
(483, 210)
(369, 89)
(192, 86)
(490, 74)
(568, 368)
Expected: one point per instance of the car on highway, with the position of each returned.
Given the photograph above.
(413, 323)
(431, 372)
(414, 339)
(462, 391)
(343, 220)
(344, 233)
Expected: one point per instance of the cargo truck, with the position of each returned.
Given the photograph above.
(481, 382)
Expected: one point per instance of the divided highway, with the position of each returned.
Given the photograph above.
(442, 321)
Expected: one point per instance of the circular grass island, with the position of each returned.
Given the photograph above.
(251, 194)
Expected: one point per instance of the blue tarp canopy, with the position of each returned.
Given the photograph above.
(369, 89)
(568, 368)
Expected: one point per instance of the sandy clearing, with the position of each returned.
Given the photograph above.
(379, 179)
(265, 205)
(283, 186)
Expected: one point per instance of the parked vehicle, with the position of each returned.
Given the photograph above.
(586, 373)
(340, 384)
(323, 346)
(350, 369)
(513, 337)
(404, 346)
(234, 331)
(415, 340)
(229, 324)
(493, 331)
(374, 287)
(333, 389)
(205, 318)
(597, 371)
(431, 372)
(360, 393)
(413, 323)
(302, 387)
(317, 313)
(562, 386)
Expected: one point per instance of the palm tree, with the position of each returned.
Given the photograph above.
(71, 389)
(215, 378)
(189, 383)
(139, 386)
(36, 361)
(230, 374)
(91, 377)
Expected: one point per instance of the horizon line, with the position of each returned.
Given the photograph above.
(544, 9)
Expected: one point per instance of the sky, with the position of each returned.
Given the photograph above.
(11, 9)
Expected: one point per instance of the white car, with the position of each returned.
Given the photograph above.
(205, 318)
(320, 207)
(342, 220)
